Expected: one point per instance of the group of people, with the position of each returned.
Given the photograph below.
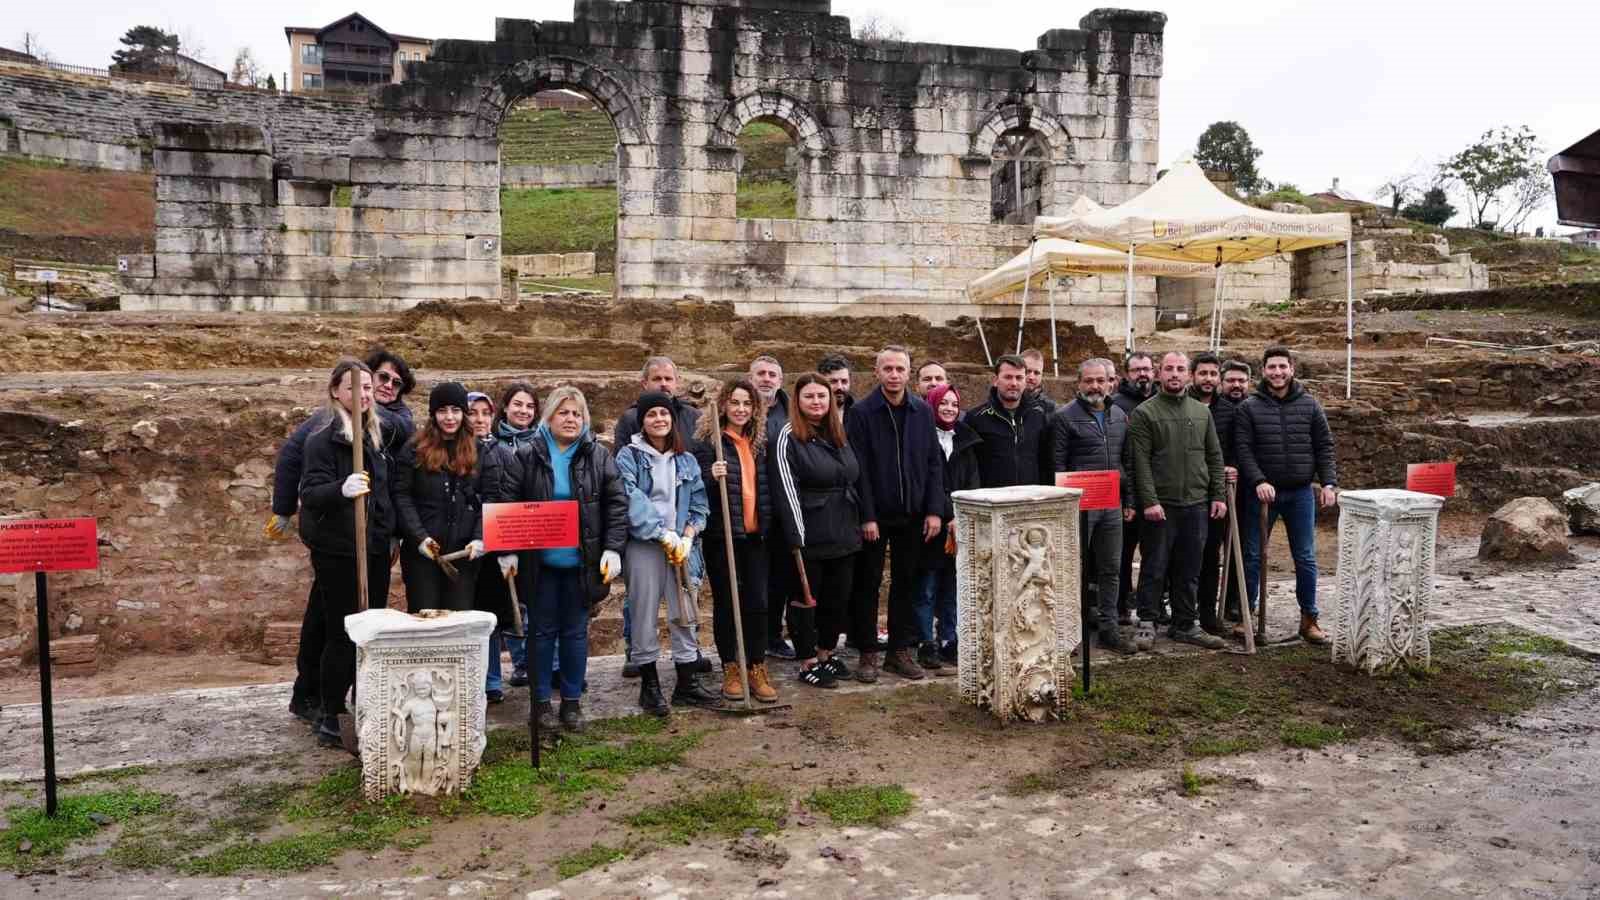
(822, 491)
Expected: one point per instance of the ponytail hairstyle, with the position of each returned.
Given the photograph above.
(355, 368)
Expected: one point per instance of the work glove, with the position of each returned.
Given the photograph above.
(277, 527)
(508, 566)
(669, 543)
(474, 549)
(685, 547)
(950, 542)
(358, 484)
(610, 566)
(429, 548)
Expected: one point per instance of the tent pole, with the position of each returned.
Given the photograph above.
(1216, 305)
(1349, 315)
(1130, 297)
(1027, 280)
(988, 360)
(1054, 347)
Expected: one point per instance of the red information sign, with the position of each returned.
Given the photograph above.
(530, 526)
(1437, 478)
(1101, 489)
(48, 545)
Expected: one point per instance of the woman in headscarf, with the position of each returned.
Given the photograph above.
(937, 596)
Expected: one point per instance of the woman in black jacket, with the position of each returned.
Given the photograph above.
(516, 425)
(562, 586)
(937, 598)
(815, 486)
(329, 489)
(490, 593)
(441, 484)
(743, 474)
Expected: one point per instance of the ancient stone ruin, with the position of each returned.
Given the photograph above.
(1379, 615)
(1017, 590)
(920, 165)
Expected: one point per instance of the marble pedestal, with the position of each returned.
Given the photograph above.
(1386, 547)
(1018, 598)
(420, 704)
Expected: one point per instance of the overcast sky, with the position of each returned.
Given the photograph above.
(1355, 89)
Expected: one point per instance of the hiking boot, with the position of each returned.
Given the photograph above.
(836, 667)
(1193, 635)
(780, 649)
(305, 710)
(867, 668)
(761, 684)
(689, 691)
(1214, 627)
(650, 699)
(903, 664)
(495, 696)
(572, 716)
(548, 721)
(1144, 636)
(928, 658)
(818, 676)
(630, 670)
(327, 733)
(519, 677)
(1125, 617)
(732, 681)
(1238, 632)
(1310, 632)
(1112, 639)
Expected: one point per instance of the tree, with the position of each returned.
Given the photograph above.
(245, 71)
(1226, 147)
(32, 47)
(877, 28)
(143, 49)
(272, 83)
(1498, 171)
(1399, 188)
(1433, 209)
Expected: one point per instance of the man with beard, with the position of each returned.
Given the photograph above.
(1235, 385)
(929, 376)
(1284, 444)
(1137, 385)
(1034, 392)
(1016, 436)
(1205, 389)
(766, 374)
(1178, 485)
(836, 369)
(659, 374)
(1089, 436)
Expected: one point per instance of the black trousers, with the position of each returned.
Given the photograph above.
(1172, 560)
(308, 658)
(783, 585)
(428, 587)
(335, 598)
(1130, 544)
(750, 560)
(904, 546)
(820, 626)
(1210, 569)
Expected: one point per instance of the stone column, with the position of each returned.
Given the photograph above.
(419, 699)
(1386, 543)
(1018, 592)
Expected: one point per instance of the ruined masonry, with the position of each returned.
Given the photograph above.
(898, 170)
(1379, 615)
(1017, 571)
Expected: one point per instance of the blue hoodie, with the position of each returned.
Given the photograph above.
(561, 469)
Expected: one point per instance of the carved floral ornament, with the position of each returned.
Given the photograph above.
(1386, 563)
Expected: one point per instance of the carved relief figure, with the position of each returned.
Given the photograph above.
(423, 729)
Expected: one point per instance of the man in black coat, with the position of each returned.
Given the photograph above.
(1034, 390)
(891, 432)
(766, 373)
(1138, 385)
(836, 369)
(1016, 436)
(659, 373)
(1206, 388)
(1282, 443)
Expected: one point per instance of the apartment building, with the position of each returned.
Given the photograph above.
(350, 54)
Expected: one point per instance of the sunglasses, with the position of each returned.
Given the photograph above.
(386, 378)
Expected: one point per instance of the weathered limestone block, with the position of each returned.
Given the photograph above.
(419, 699)
(1386, 557)
(1527, 528)
(1583, 508)
(1017, 576)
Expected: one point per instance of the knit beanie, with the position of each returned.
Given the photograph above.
(448, 393)
(652, 399)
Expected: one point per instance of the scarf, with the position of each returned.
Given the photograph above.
(935, 397)
(515, 438)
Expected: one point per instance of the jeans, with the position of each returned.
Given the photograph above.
(904, 545)
(750, 564)
(562, 612)
(936, 598)
(1100, 540)
(1171, 559)
(1298, 507)
(491, 678)
(335, 598)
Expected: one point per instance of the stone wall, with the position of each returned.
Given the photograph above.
(1388, 260)
(895, 143)
(559, 176)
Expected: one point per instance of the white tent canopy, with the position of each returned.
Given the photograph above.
(1053, 256)
(1184, 217)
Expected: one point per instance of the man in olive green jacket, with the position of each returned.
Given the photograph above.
(1178, 481)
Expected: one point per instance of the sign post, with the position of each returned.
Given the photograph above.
(49, 277)
(1102, 489)
(40, 546)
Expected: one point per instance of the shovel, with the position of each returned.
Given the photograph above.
(1231, 554)
(358, 441)
(447, 562)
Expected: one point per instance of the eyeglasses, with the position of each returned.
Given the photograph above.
(386, 378)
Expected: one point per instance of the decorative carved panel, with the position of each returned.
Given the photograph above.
(1386, 560)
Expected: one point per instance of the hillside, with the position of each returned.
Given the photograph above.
(61, 213)
(556, 136)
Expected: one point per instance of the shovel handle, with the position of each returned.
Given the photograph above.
(805, 583)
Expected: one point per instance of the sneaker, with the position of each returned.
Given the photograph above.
(949, 655)
(903, 664)
(867, 668)
(1216, 628)
(1125, 617)
(1144, 636)
(928, 658)
(1193, 635)
(519, 677)
(818, 677)
(836, 667)
(495, 696)
(781, 649)
(1111, 639)
(1164, 617)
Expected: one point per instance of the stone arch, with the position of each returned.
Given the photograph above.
(783, 109)
(611, 90)
(1021, 117)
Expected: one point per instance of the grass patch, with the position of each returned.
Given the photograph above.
(1192, 783)
(603, 282)
(560, 220)
(726, 812)
(1309, 735)
(579, 766)
(1221, 746)
(766, 200)
(341, 196)
(591, 857)
(862, 805)
(77, 817)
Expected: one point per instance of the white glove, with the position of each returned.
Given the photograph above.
(474, 549)
(356, 485)
(508, 565)
(610, 566)
(668, 540)
(429, 548)
(685, 547)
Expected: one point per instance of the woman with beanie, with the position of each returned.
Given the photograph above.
(563, 585)
(667, 510)
(815, 494)
(516, 425)
(441, 484)
(937, 594)
(330, 487)
(743, 474)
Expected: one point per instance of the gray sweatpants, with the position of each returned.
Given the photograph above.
(650, 581)
(1101, 544)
